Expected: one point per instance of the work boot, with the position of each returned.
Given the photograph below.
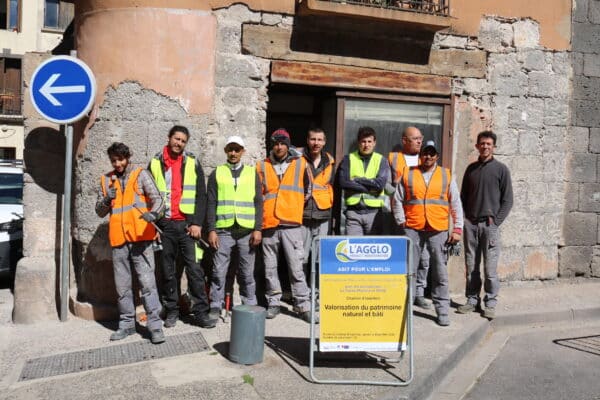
(421, 302)
(157, 336)
(273, 311)
(489, 313)
(171, 319)
(205, 321)
(305, 316)
(214, 313)
(443, 320)
(122, 333)
(466, 308)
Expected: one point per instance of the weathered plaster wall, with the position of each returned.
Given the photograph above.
(580, 250)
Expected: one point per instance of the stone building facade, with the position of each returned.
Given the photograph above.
(225, 68)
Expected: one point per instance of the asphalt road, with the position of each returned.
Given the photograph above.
(544, 364)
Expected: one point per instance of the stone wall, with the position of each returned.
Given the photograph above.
(579, 254)
(524, 98)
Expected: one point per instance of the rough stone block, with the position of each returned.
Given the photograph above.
(510, 263)
(589, 199)
(574, 261)
(525, 168)
(571, 197)
(39, 236)
(553, 166)
(595, 140)
(554, 139)
(586, 113)
(541, 263)
(594, 12)
(475, 86)
(556, 112)
(229, 39)
(271, 19)
(494, 35)
(561, 62)
(542, 84)
(577, 63)
(586, 88)
(237, 15)
(450, 41)
(578, 139)
(591, 64)
(580, 10)
(595, 267)
(582, 168)
(580, 229)
(35, 282)
(532, 60)
(529, 115)
(530, 142)
(508, 140)
(526, 34)
(239, 71)
(585, 37)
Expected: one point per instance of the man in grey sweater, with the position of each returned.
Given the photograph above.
(487, 198)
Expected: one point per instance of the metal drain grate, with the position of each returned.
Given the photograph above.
(588, 344)
(109, 356)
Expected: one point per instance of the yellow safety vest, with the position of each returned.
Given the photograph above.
(236, 204)
(357, 170)
(188, 196)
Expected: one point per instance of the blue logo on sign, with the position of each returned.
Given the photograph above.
(345, 251)
(63, 89)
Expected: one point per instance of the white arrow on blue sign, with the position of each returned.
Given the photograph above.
(63, 89)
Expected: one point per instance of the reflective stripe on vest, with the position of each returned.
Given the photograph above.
(357, 170)
(187, 203)
(426, 204)
(236, 204)
(321, 188)
(283, 201)
(125, 224)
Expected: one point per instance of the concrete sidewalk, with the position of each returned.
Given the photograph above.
(284, 372)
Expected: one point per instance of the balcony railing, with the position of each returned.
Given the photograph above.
(435, 7)
(10, 103)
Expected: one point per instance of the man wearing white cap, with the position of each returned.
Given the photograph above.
(234, 219)
(425, 197)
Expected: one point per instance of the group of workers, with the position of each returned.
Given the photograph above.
(279, 206)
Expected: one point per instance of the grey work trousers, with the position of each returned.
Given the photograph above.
(228, 240)
(482, 240)
(370, 223)
(435, 243)
(290, 240)
(422, 269)
(310, 229)
(141, 256)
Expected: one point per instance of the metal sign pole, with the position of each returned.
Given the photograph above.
(66, 231)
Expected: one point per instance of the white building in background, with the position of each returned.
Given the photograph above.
(25, 26)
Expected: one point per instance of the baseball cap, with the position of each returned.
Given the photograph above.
(430, 144)
(236, 140)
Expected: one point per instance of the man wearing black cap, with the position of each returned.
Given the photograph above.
(425, 197)
(282, 175)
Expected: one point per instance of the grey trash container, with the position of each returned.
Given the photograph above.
(246, 345)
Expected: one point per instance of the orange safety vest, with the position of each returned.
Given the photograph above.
(397, 164)
(125, 224)
(283, 201)
(426, 205)
(322, 190)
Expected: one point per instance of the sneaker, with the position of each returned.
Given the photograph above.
(205, 321)
(171, 319)
(421, 302)
(157, 336)
(466, 308)
(443, 320)
(214, 313)
(305, 316)
(489, 313)
(122, 333)
(273, 311)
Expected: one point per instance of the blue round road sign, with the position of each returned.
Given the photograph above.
(63, 89)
